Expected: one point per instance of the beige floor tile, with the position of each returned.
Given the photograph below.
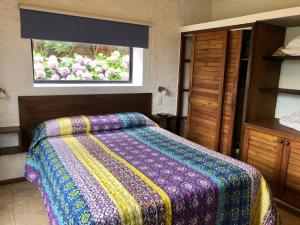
(22, 205)
(6, 215)
(288, 218)
(24, 191)
(5, 195)
(30, 212)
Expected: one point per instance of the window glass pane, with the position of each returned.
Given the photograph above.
(188, 47)
(70, 61)
(185, 103)
(186, 75)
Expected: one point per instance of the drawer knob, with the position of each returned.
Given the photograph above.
(287, 143)
(280, 141)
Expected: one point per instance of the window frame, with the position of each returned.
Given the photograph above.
(108, 82)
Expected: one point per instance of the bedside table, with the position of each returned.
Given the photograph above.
(167, 122)
(13, 149)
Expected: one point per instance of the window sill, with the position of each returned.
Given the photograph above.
(88, 85)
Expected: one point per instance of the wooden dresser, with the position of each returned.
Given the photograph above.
(275, 151)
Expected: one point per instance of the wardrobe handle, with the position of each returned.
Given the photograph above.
(280, 141)
(287, 143)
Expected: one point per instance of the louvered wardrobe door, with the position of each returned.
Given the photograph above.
(290, 173)
(206, 88)
(230, 89)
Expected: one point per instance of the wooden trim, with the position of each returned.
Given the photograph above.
(10, 150)
(236, 63)
(283, 169)
(190, 87)
(36, 109)
(12, 181)
(245, 141)
(180, 84)
(234, 27)
(220, 99)
(249, 69)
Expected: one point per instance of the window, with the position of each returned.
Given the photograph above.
(73, 62)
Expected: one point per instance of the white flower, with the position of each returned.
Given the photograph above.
(39, 66)
(38, 59)
(87, 61)
(99, 69)
(71, 77)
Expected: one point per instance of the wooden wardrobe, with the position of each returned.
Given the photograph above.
(218, 71)
(233, 88)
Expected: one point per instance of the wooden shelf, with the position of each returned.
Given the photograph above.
(281, 58)
(244, 59)
(280, 90)
(9, 150)
(7, 130)
(14, 149)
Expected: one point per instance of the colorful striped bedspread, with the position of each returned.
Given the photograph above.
(124, 169)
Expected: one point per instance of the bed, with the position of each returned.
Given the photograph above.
(121, 168)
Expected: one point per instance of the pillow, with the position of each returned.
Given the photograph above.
(293, 47)
(89, 124)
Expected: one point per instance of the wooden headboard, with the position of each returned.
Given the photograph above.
(34, 110)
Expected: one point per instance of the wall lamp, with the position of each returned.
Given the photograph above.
(162, 90)
(3, 94)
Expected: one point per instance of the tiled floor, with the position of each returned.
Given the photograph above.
(21, 204)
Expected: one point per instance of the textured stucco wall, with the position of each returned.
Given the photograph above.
(160, 60)
(222, 9)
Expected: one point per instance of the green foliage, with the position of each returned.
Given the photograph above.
(57, 48)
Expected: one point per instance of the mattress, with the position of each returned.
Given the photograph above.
(124, 169)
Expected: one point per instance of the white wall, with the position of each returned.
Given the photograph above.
(222, 9)
(160, 60)
(289, 78)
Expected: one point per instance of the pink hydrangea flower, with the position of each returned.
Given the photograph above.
(79, 59)
(75, 67)
(55, 77)
(126, 59)
(78, 72)
(93, 64)
(52, 62)
(40, 74)
(83, 68)
(86, 76)
(110, 72)
(101, 76)
(113, 58)
(124, 76)
(124, 65)
(64, 71)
